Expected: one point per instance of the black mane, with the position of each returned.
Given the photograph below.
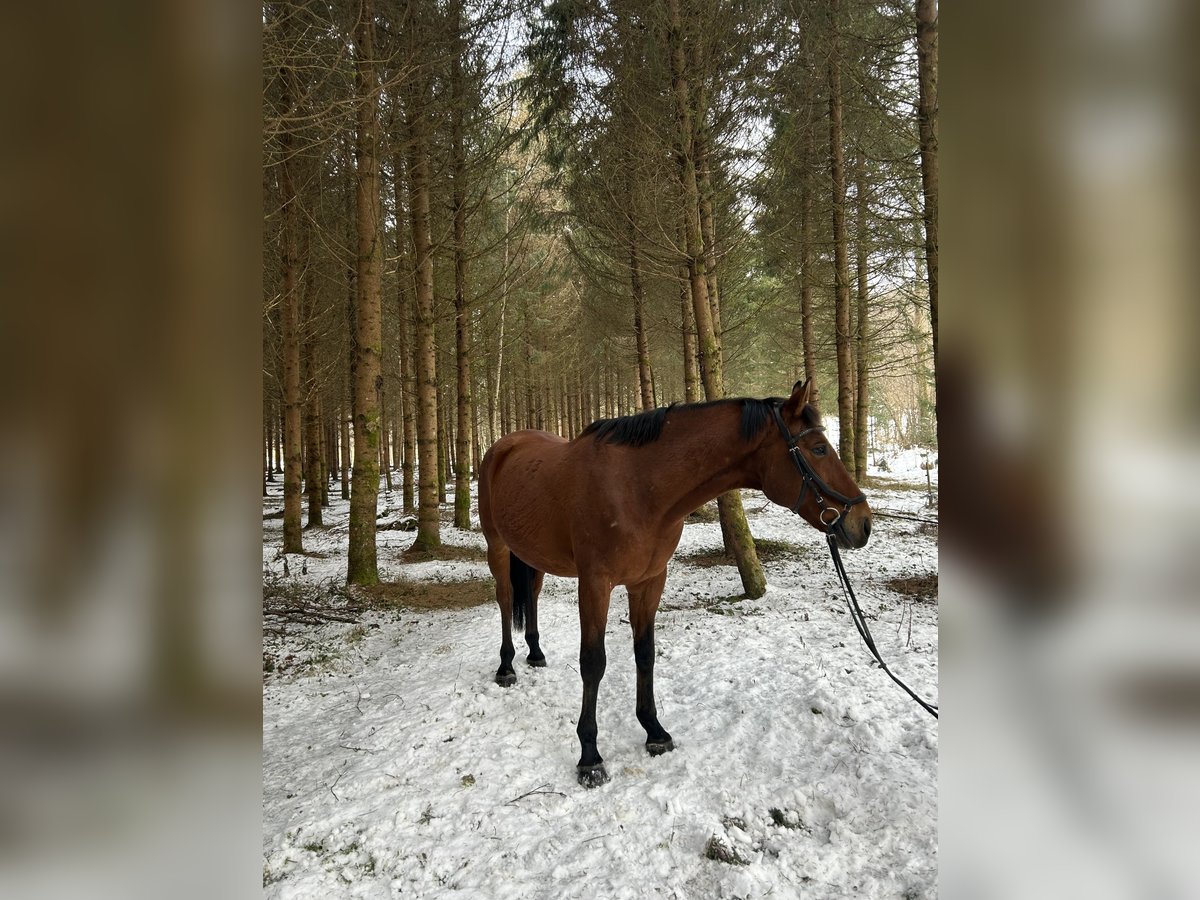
(646, 427)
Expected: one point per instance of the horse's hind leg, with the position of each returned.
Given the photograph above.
(498, 562)
(643, 605)
(536, 657)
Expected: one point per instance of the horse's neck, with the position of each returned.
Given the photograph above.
(702, 459)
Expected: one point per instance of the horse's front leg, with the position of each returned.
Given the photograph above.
(643, 605)
(594, 596)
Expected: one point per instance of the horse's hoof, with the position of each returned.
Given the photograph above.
(537, 663)
(506, 679)
(593, 776)
(658, 748)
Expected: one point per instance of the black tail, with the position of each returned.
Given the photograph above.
(521, 576)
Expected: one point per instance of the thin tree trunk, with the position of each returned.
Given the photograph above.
(691, 368)
(344, 428)
(280, 430)
(733, 516)
(329, 448)
(498, 427)
(489, 394)
(639, 329)
(266, 458)
(708, 235)
(404, 347)
(314, 476)
(841, 265)
(292, 268)
(269, 437)
(507, 412)
(462, 313)
(443, 445)
(362, 568)
(927, 124)
(312, 397)
(385, 449)
(806, 263)
(570, 401)
(527, 358)
(429, 534)
(861, 337)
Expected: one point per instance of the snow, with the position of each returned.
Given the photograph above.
(393, 765)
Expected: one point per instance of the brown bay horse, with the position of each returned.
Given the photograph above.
(608, 508)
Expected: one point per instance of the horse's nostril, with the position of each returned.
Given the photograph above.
(867, 528)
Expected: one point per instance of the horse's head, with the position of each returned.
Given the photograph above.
(802, 471)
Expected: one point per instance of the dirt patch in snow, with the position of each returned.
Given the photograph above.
(430, 594)
(767, 552)
(444, 553)
(918, 587)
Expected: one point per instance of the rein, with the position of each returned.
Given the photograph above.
(820, 489)
(860, 622)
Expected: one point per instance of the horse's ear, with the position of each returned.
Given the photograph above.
(801, 396)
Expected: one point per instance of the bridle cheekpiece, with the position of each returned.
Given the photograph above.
(812, 480)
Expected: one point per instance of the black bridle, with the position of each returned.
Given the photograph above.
(821, 490)
(813, 481)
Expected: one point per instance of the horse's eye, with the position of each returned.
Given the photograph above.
(820, 450)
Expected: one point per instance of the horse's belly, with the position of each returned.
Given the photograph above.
(550, 562)
(539, 540)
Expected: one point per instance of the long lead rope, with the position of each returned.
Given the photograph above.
(860, 622)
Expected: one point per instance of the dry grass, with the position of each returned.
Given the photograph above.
(718, 851)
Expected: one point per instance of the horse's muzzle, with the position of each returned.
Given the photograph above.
(853, 537)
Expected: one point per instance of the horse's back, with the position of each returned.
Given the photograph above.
(527, 445)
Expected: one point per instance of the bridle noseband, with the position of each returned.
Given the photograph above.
(812, 480)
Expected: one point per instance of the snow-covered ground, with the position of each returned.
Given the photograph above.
(393, 765)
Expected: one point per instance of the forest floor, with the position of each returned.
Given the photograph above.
(393, 765)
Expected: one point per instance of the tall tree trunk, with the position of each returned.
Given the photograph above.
(527, 356)
(462, 313)
(687, 320)
(927, 124)
(292, 268)
(841, 263)
(733, 516)
(329, 455)
(443, 444)
(344, 428)
(385, 449)
(639, 327)
(313, 462)
(269, 437)
(266, 440)
(490, 432)
(281, 422)
(429, 533)
(708, 236)
(862, 395)
(404, 330)
(361, 567)
(498, 426)
(314, 476)
(806, 261)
